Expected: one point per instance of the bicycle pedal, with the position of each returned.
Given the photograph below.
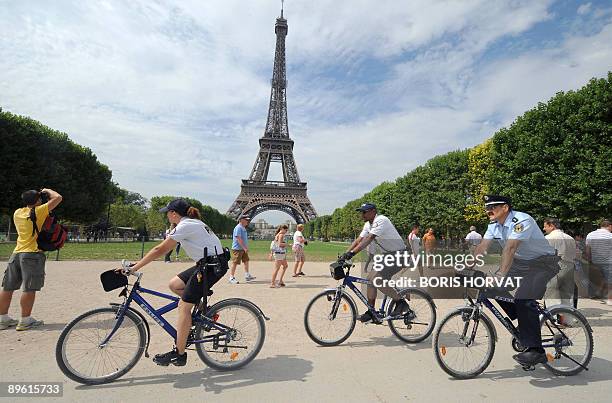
(528, 368)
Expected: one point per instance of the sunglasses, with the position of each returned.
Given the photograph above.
(493, 207)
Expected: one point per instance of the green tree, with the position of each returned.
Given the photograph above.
(157, 222)
(480, 167)
(556, 159)
(33, 156)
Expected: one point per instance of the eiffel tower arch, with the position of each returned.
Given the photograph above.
(257, 193)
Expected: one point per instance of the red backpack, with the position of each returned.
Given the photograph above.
(52, 235)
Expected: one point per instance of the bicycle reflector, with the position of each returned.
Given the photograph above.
(111, 280)
(336, 270)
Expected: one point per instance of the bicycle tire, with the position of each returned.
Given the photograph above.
(65, 367)
(242, 303)
(438, 350)
(353, 318)
(589, 333)
(431, 326)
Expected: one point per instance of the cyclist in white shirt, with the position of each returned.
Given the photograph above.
(378, 233)
(190, 285)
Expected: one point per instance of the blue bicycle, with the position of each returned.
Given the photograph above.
(464, 343)
(331, 315)
(103, 344)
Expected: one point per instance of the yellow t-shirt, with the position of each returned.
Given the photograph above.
(26, 242)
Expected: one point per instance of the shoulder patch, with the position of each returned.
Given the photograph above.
(518, 228)
(514, 219)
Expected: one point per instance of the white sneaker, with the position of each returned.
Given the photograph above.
(5, 324)
(233, 280)
(249, 277)
(27, 325)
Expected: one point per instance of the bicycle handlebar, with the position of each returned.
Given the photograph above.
(125, 269)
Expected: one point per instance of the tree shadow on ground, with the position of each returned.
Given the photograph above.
(280, 368)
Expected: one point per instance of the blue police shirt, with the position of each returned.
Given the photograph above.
(523, 227)
(241, 232)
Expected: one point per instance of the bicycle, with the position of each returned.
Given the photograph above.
(468, 334)
(103, 344)
(339, 308)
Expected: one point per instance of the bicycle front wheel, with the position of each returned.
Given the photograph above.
(568, 341)
(459, 352)
(81, 357)
(325, 328)
(237, 346)
(419, 322)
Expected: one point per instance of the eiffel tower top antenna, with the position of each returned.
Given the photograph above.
(282, 6)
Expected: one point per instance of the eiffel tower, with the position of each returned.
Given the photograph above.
(258, 194)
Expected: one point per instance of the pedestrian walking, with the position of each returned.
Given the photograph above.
(298, 250)
(240, 250)
(599, 255)
(560, 288)
(278, 249)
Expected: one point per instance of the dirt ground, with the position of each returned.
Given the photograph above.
(372, 365)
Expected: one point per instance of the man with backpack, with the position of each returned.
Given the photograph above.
(26, 266)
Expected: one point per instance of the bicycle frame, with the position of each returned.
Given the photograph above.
(482, 299)
(349, 281)
(157, 314)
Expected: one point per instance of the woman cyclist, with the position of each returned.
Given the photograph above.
(195, 236)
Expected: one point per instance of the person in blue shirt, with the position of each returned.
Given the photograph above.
(240, 250)
(528, 255)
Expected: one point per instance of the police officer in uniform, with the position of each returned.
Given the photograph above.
(528, 255)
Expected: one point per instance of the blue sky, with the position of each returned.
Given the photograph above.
(173, 96)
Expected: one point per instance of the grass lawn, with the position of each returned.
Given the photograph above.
(258, 250)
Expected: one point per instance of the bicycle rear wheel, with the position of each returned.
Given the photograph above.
(321, 327)
(573, 341)
(238, 345)
(453, 350)
(419, 322)
(81, 358)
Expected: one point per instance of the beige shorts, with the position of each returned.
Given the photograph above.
(239, 256)
(279, 256)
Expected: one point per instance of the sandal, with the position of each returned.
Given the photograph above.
(273, 285)
(281, 284)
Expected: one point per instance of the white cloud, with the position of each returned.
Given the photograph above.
(584, 9)
(173, 95)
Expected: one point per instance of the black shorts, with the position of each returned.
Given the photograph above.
(197, 288)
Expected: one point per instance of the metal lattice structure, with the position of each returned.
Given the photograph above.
(257, 193)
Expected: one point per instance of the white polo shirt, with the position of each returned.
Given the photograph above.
(564, 244)
(387, 238)
(473, 238)
(194, 236)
